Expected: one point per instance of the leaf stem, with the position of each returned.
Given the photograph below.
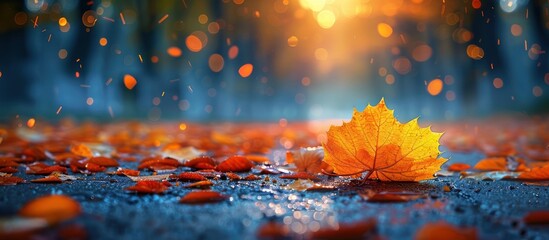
(342, 175)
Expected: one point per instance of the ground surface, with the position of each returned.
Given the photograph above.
(494, 208)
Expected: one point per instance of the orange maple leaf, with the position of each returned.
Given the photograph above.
(374, 141)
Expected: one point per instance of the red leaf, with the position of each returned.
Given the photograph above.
(190, 177)
(48, 179)
(434, 231)
(148, 187)
(10, 180)
(52, 208)
(202, 162)
(8, 162)
(127, 172)
(92, 167)
(202, 197)
(458, 167)
(201, 184)
(347, 231)
(43, 169)
(235, 164)
(299, 175)
(537, 217)
(8, 170)
(33, 154)
(233, 176)
(148, 162)
(104, 161)
(251, 177)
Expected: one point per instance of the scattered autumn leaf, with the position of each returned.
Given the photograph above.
(299, 175)
(257, 158)
(127, 172)
(156, 161)
(92, 167)
(391, 197)
(458, 167)
(537, 217)
(251, 177)
(201, 197)
(8, 162)
(48, 179)
(104, 161)
(200, 184)
(491, 176)
(536, 174)
(307, 159)
(501, 164)
(358, 230)
(235, 164)
(432, 231)
(81, 149)
(52, 208)
(233, 176)
(202, 162)
(8, 170)
(190, 177)
(40, 168)
(376, 142)
(8, 179)
(159, 177)
(148, 186)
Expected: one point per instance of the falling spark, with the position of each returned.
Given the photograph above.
(31, 122)
(190, 89)
(163, 19)
(525, 45)
(49, 38)
(246, 70)
(140, 58)
(108, 19)
(111, 112)
(129, 81)
(108, 82)
(163, 93)
(59, 110)
(122, 18)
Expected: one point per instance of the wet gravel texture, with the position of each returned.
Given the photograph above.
(494, 208)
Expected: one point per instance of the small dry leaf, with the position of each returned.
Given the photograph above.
(501, 164)
(374, 141)
(434, 231)
(233, 176)
(391, 197)
(257, 158)
(458, 167)
(491, 176)
(359, 230)
(182, 154)
(190, 177)
(202, 162)
(308, 159)
(81, 150)
(8, 162)
(8, 170)
(201, 197)
(52, 208)
(150, 178)
(299, 175)
(537, 217)
(251, 177)
(300, 185)
(149, 187)
(536, 174)
(201, 184)
(8, 179)
(92, 167)
(43, 169)
(235, 164)
(127, 172)
(156, 161)
(48, 179)
(104, 161)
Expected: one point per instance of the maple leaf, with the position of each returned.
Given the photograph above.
(374, 141)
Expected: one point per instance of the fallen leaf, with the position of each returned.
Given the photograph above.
(8, 170)
(148, 186)
(202, 162)
(190, 177)
(491, 176)
(458, 167)
(434, 231)
(43, 169)
(537, 217)
(233, 176)
(299, 175)
(92, 167)
(307, 159)
(201, 184)
(182, 154)
(391, 197)
(8, 162)
(251, 177)
(8, 179)
(48, 179)
(104, 161)
(126, 172)
(150, 178)
(300, 185)
(52, 208)
(257, 158)
(201, 197)
(156, 161)
(536, 174)
(273, 230)
(235, 164)
(81, 150)
(374, 141)
(501, 164)
(358, 230)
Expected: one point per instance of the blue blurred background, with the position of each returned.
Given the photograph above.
(309, 59)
